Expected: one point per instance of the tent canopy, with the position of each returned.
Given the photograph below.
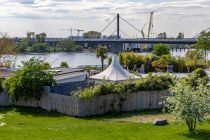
(114, 72)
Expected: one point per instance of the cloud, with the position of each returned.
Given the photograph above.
(105, 10)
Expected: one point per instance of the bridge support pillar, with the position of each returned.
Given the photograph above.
(118, 26)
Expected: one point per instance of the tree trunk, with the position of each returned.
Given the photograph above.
(102, 64)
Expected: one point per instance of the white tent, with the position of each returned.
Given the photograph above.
(114, 72)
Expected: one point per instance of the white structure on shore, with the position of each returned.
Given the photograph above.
(114, 72)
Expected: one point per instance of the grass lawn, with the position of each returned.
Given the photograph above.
(37, 124)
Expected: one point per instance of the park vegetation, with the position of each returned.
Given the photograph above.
(28, 82)
(160, 59)
(150, 83)
(190, 100)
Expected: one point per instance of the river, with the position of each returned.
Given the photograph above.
(73, 59)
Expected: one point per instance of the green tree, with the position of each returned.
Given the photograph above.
(161, 49)
(189, 104)
(23, 45)
(92, 35)
(69, 46)
(64, 65)
(194, 59)
(162, 35)
(29, 82)
(39, 47)
(162, 63)
(101, 52)
(180, 35)
(204, 43)
(40, 38)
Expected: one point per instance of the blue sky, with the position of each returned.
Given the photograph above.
(172, 16)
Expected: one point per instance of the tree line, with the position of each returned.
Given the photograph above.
(36, 43)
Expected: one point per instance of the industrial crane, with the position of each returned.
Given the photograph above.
(71, 31)
(150, 28)
(150, 24)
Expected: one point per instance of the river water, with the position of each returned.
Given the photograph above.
(73, 59)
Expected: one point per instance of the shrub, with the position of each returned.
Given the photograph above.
(188, 104)
(131, 60)
(145, 84)
(197, 76)
(161, 49)
(154, 82)
(39, 47)
(64, 65)
(28, 82)
(162, 63)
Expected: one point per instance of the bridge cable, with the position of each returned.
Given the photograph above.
(113, 33)
(108, 25)
(200, 33)
(124, 33)
(130, 24)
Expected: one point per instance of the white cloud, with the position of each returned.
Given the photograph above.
(86, 13)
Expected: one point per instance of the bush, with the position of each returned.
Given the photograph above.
(198, 76)
(161, 49)
(145, 84)
(39, 47)
(28, 82)
(154, 82)
(188, 104)
(64, 65)
(131, 60)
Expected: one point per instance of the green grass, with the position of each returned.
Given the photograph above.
(37, 124)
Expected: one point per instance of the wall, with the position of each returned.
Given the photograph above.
(73, 106)
(67, 88)
(118, 103)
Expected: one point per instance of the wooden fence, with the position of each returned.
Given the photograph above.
(73, 106)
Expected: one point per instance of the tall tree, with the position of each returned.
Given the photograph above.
(92, 34)
(161, 49)
(101, 52)
(162, 35)
(180, 35)
(40, 38)
(7, 51)
(69, 46)
(204, 43)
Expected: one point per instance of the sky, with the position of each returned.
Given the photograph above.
(50, 16)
